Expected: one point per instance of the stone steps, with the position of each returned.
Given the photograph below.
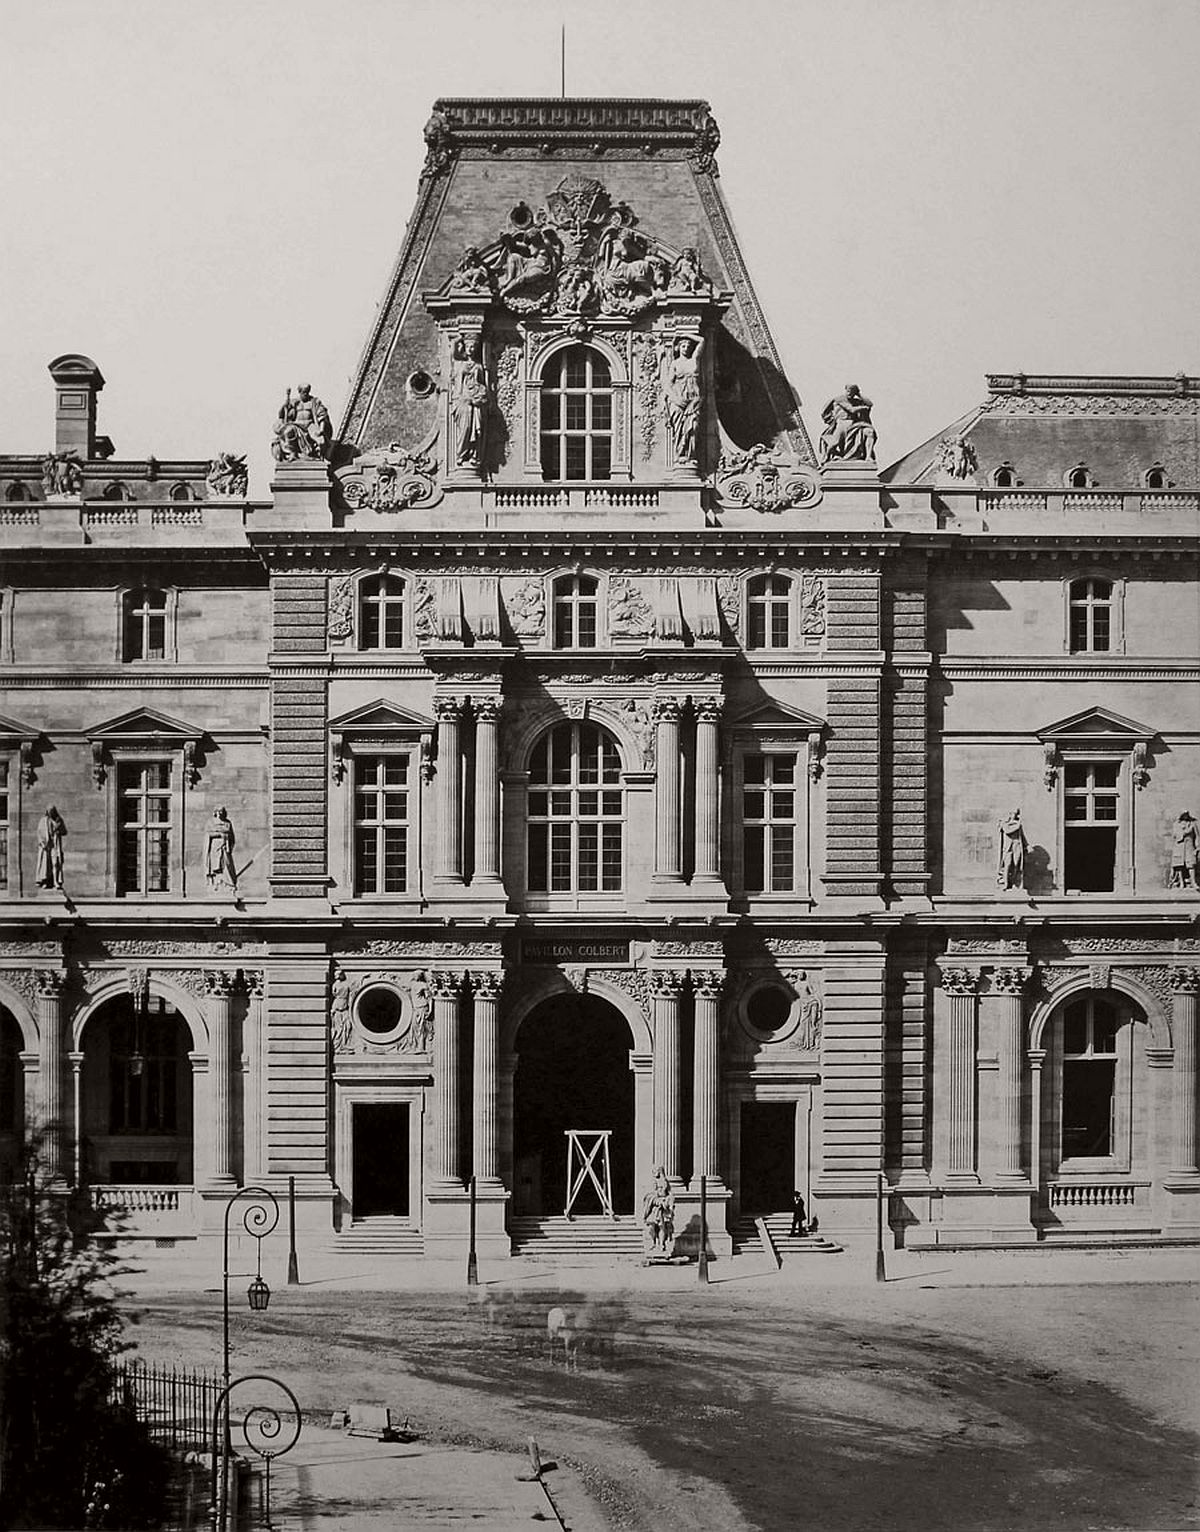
(378, 1236)
(589, 1236)
(746, 1238)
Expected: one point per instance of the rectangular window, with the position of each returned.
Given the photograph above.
(144, 827)
(1090, 811)
(381, 823)
(769, 824)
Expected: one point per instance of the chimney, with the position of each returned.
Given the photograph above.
(77, 381)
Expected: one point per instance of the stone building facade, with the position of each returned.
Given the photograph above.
(570, 746)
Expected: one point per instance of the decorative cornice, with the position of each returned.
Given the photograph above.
(496, 124)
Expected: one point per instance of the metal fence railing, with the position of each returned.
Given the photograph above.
(175, 1403)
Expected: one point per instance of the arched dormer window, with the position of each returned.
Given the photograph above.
(576, 605)
(576, 812)
(769, 612)
(180, 492)
(1156, 477)
(144, 624)
(17, 493)
(1090, 619)
(1079, 477)
(116, 491)
(1004, 477)
(381, 612)
(577, 416)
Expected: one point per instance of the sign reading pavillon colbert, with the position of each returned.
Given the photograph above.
(545, 950)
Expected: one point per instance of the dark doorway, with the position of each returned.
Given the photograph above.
(572, 1072)
(768, 1137)
(380, 1159)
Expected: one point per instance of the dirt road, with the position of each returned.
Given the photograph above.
(765, 1407)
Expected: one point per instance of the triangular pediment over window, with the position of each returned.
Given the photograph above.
(1096, 726)
(12, 731)
(778, 715)
(377, 716)
(146, 725)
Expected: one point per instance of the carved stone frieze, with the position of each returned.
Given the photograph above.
(525, 604)
(31, 949)
(1105, 945)
(729, 599)
(647, 371)
(429, 951)
(1083, 404)
(812, 606)
(793, 946)
(986, 946)
(178, 949)
(508, 372)
(341, 607)
(424, 611)
(629, 613)
(696, 949)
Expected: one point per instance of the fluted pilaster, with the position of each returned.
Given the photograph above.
(448, 865)
(54, 1105)
(708, 790)
(487, 987)
(668, 865)
(447, 1049)
(218, 1004)
(1008, 989)
(706, 1087)
(1185, 986)
(667, 987)
(961, 986)
(487, 791)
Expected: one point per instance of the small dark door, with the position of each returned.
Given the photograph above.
(381, 1159)
(768, 1141)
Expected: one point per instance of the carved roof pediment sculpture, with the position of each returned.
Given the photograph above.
(581, 253)
(392, 478)
(763, 478)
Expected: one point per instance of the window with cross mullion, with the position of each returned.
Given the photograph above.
(1091, 616)
(381, 608)
(381, 823)
(144, 827)
(576, 813)
(769, 824)
(145, 625)
(577, 416)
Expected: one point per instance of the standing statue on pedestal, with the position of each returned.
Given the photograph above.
(1185, 853)
(218, 852)
(50, 833)
(680, 383)
(302, 430)
(658, 1215)
(849, 435)
(1010, 866)
(468, 400)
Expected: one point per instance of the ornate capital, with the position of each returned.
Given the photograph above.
(255, 981)
(707, 983)
(447, 709)
(487, 983)
(446, 983)
(667, 709)
(709, 709)
(1185, 981)
(49, 982)
(667, 983)
(1010, 981)
(487, 709)
(219, 983)
(960, 981)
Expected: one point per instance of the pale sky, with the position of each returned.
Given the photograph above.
(207, 198)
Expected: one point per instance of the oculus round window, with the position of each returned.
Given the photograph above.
(379, 1011)
(769, 1008)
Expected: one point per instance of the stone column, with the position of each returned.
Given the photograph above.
(487, 792)
(667, 989)
(218, 992)
(706, 1076)
(252, 1067)
(54, 1108)
(447, 1048)
(668, 866)
(1008, 986)
(1185, 986)
(448, 865)
(708, 791)
(485, 1079)
(961, 985)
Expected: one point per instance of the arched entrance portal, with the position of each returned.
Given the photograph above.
(573, 1071)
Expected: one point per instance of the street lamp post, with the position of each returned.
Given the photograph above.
(257, 1219)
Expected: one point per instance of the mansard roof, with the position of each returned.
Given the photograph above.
(501, 170)
(1046, 427)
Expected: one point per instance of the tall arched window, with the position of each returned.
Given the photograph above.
(576, 812)
(577, 416)
(575, 605)
(381, 612)
(1091, 616)
(769, 612)
(1090, 1029)
(144, 625)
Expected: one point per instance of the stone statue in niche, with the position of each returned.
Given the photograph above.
(302, 430)
(227, 475)
(468, 400)
(680, 382)
(1185, 852)
(62, 474)
(1010, 866)
(956, 457)
(849, 435)
(50, 833)
(658, 1215)
(218, 852)
(472, 274)
(687, 275)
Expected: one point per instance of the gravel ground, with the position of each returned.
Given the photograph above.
(761, 1406)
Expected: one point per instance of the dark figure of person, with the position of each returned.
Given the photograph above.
(798, 1225)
